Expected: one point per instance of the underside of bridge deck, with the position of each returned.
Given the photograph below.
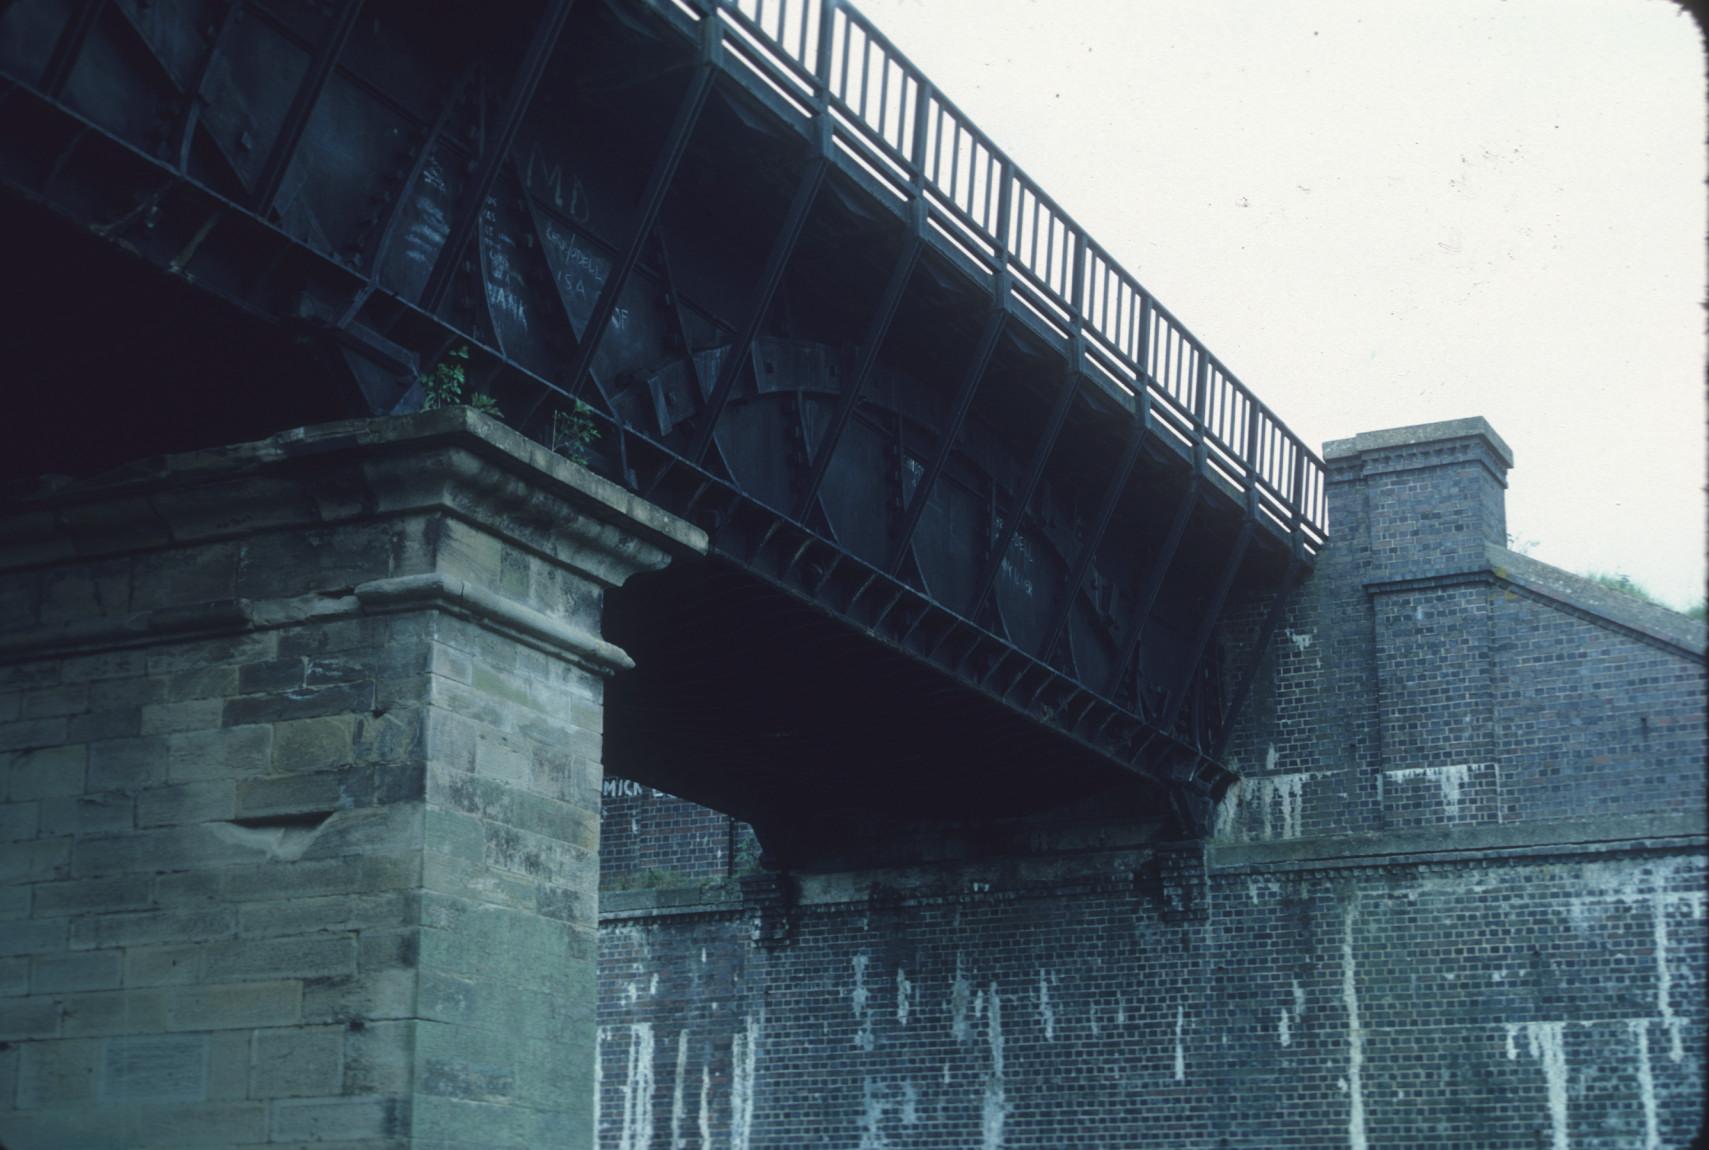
(977, 500)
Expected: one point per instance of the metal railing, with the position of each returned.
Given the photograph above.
(890, 117)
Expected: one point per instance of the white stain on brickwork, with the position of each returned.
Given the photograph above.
(1646, 1085)
(599, 1036)
(1180, 1050)
(679, 1105)
(1276, 804)
(1512, 1045)
(1355, 1035)
(1046, 1012)
(1300, 639)
(858, 999)
(637, 1130)
(1451, 780)
(995, 1111)
(1664, 981)
(960, 994)
(1543, 1039)
(904, 992)
(1289, 1018)
(871, 1117)
(703, 1120)
(744, 1055)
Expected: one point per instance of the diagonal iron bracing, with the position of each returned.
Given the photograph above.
(891, 376)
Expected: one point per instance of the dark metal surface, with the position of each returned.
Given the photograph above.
(890, 375)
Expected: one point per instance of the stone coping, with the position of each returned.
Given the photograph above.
(1421, 433)
(55, 505)
(1593, 598)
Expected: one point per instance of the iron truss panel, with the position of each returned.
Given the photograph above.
(743, 258)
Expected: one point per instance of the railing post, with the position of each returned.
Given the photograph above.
(1142, 347)
(1200, 398)
(1005, 200)
(1253, 413)
(827, 24)
(917, 149)
(1077, 292)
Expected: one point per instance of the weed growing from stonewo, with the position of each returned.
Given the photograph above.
(443, 386)
(573, 431)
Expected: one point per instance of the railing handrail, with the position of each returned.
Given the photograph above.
(1193, 381)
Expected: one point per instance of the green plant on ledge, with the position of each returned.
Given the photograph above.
(574, 432)
(443, 386)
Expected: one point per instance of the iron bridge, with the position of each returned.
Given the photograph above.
(978, 501)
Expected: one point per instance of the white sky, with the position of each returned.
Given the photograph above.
(1380, 214)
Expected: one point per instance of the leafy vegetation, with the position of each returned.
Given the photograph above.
(1626, 585)
(443, 386)
(574, 432)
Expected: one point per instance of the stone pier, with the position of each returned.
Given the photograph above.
(300, 764)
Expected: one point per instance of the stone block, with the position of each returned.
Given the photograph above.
(149, 927)
(18, 821)
(384, 911)
(165, 965)
(201, 683)
(14, 977)
(198, 802)
(226, 1007)
(126, 693)
(290, 794)
(304, 703)
(90, 896)
(228, 1063)
(35, 860)
(251, 647)
(33, 936)
(77, 971)
(121, 723)
(47, 702)
(307, 745)
(28, 1018)
(220, 753)
(30, 733)
(129, 1011)
(379, 1058)
(184, 575)
(109, 812)
(190, 715)
(340, 1119)
(105, 665)
(303, 1062)
(273, 675)
(127, 764)
(185, 888)
(85, 590)
(44, 772)
(154, 1069)
(14, 902)
(59, 1073)
(367, 995)
(314, 956)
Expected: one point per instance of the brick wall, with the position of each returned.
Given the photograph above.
(1457, 899)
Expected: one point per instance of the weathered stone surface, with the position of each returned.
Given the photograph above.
(233, 775)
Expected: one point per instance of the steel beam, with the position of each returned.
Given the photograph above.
(1135, 629)
(876, 331)
(69, 47)
(185, 130)
(543, 40)
(302, 108)
(777, 262)
(652, 202)
(1041, 457)
(1290, 584)
(1100, 524)
(988, 338)
(1207, 623)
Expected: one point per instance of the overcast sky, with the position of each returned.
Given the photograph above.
(1380, 214)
